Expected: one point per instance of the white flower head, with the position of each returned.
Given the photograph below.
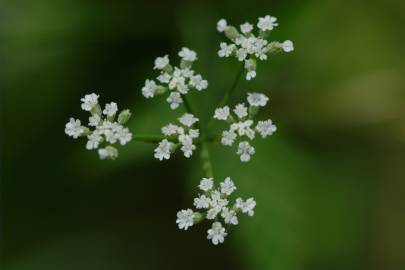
(222, 113)
(174, 100)
(188, 119)
(94, 140)
(257, 99)
(164, 77)
(229, 216)
(73, 128)
(246, 28)
(227, 186)
(188, 55)
(206, 184)
(266, 128)
(187, 145)
(288, 46)
(161, 62)
(89, 101)
(170, 129)
(217, 233)
(108, 152)
(110, 109)
(94, 120)
(250, 75)
(149, 89)
(228, 137)
(198, 82)
(245, 151)
(240, 110)
(213, 212)
(163, 150)
(267, 23)
(221, 25)
(185, 219)
(226, 49)
(247, 206)
(202, 202)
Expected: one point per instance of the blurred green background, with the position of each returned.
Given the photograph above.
(329, 184)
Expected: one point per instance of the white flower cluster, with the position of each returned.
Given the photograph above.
(213, 204)
(178, 80)
(184, 135)
(105, 128)
(242, 124)
(247, 47)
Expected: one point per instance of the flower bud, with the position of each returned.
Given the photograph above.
(96, 110)
(274, 47)
(124, 116)
(231, 32)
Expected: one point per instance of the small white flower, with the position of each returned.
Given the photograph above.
(74, 128)
(174, 100)
(202, 202)
(267, 23)
(217, 199)
(198, 82)
(217, 233)
(161, 62)
(221, 25)
(163, 150)
(187, 145)
(206, 184)
(188, 119)
(194, 133)
(228, 137)
(149, 89)
(243, 129)
(164, 77)
(288, 46)
(89, 101)
(225, 49)
(170, 129)
(229, 216)
(123, 135)
(94, 120)
(257, 99)
(227, 187)
(245, 150)
(246, 28)
(266, 128)
(240, 110)
(213, 212)
(250, 75)
(221, 113)
(185, 219)
(108, 152)
(247, 206)
(103, 153)
(110, 109)
(241, 54)
(94, 140)
(188, 55)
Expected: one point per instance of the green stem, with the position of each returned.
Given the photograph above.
(206, 160)
(230, 91)
(148, 139)
(189, 109)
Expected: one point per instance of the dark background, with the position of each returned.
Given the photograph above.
(329, 184)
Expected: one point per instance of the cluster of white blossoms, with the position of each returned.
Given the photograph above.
(247, 47)
(178, 136)
(213, 204)
(177, 80)
(242, 124)
(102, 127)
